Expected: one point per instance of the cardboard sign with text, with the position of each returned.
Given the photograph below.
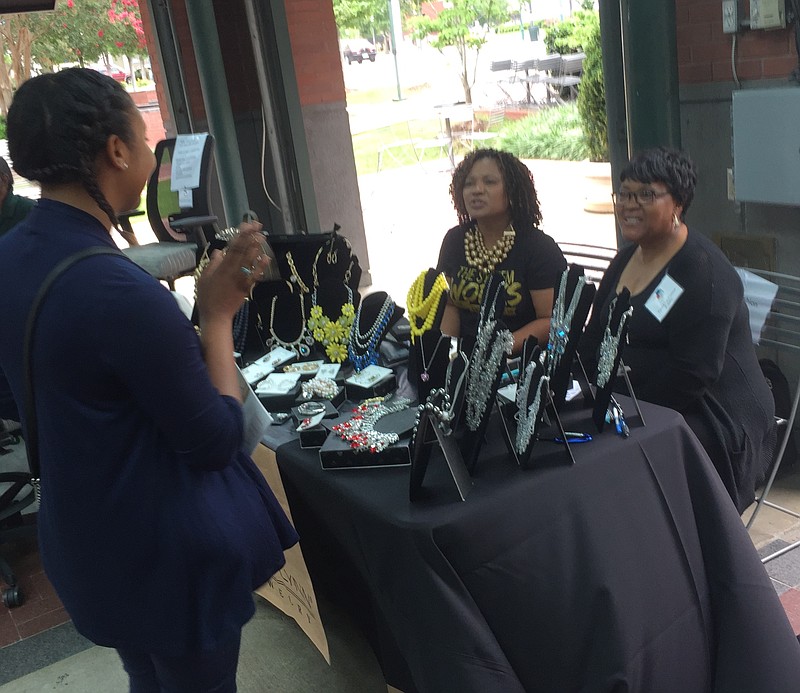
(290, 589)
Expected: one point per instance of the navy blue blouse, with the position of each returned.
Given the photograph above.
(155, 526)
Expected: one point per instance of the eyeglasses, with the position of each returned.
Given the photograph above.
(643, 197)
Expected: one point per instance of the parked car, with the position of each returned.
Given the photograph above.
(359, 50)
(113, 71)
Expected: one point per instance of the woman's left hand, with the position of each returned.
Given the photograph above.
(230, 275)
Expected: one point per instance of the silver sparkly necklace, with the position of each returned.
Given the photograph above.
(609, 345)
(528, 415)
(561, 321)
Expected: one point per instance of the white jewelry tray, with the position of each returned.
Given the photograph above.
(304, 367)
(278, 384)
(371, 375)
(256, 371)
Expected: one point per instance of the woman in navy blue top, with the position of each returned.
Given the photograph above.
(155, 526)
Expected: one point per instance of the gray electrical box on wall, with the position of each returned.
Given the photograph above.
(766, 145)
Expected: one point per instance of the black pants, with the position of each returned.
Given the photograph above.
(197, 672)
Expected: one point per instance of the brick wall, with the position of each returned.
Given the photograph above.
(315, 49)
(704, 51)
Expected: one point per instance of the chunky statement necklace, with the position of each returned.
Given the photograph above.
(486, 259)
(442, 403)
(332, 335)
(360, 431)
(362, 347)
(609, 346)
(422, 310)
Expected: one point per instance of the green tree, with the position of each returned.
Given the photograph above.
(76, 31)
(592, 97)
(463, 24)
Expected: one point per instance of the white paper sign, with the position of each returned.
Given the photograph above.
(256, 418)
(186, 160)
(759, 293)
(664, 297)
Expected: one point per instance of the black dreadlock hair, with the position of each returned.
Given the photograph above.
(59, 122)
(518, 183)
(5, 172)
(671, 167)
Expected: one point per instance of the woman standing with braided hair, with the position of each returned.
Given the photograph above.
(154, 525)
(498, 230)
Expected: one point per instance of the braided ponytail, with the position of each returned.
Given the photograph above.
(58, 123)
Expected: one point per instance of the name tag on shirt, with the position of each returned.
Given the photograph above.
(663, 297)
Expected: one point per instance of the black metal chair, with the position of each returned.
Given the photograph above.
(182, 222)
(16, 495)
(780, 335)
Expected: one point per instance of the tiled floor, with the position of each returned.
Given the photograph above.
(41, 609)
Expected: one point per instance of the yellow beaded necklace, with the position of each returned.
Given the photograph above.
(486, 259)
(422, 310)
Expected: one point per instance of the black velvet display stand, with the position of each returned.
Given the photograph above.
(424, 353)
(494, 298)
(368, 314)
(288, 321)
(561, 377)
(430, 434)
(531, 355)
(603, 395)
(427, 366)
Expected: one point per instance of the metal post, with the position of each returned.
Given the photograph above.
(397, 36)
(650, 64)
(202, 24)
(614, 82)
(170, 60)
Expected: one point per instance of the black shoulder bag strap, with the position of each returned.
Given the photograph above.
(31, 426)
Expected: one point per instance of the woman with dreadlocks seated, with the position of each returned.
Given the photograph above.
(498, 231)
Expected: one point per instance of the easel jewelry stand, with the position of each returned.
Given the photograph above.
(610, 361)
(431, 421)
(493, 344)
(532, 381)
(429, 354)
(574, 300)
(379, 312)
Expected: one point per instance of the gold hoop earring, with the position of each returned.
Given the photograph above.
(676, 222)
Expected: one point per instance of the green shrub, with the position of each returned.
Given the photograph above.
(581, 33)
(552, 133)
(2, 127)
(592, 98)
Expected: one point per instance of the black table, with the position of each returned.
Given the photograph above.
(629, 571)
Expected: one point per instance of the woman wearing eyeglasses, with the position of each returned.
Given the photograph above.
(689, 342)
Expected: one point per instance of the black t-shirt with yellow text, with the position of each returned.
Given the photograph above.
(534, 262)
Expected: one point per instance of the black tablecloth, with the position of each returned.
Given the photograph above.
(629, 571)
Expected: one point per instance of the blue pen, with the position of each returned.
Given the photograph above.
(508, 375)
(572, 437)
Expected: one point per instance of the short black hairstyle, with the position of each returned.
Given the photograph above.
(59, 122)
(518, 183)
(671, 167)
(5, 172)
